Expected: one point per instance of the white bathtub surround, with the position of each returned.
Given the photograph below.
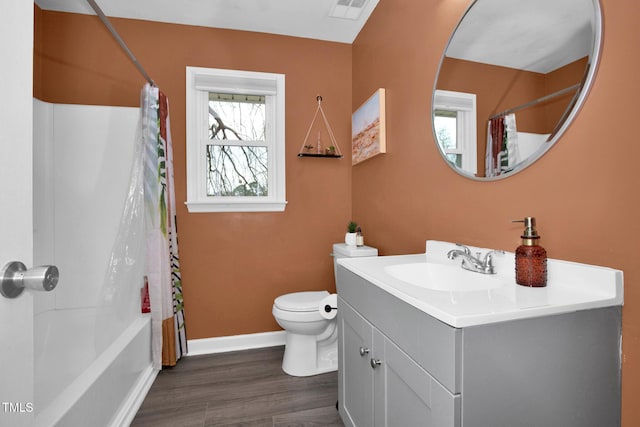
(92, 344)
(83, 161)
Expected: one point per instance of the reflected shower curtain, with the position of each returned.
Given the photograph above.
(168, 339)
(502, 145)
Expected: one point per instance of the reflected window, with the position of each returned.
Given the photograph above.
(454, 121)
(446, 125)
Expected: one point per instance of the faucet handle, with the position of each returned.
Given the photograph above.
(488, 258)
(487, 263)
(464, 248)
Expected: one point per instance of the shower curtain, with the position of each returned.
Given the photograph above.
(168, 339)
(502, 145)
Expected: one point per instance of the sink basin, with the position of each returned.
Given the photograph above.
(441, 277)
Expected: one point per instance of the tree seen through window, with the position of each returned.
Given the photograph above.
(237, 157)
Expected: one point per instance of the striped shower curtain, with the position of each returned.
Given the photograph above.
(168, 340)
(502, 145)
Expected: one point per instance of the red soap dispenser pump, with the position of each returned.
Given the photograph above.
(531, 258)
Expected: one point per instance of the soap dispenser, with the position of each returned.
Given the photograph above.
(531, 258)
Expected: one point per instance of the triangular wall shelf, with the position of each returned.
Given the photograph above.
(317, 148)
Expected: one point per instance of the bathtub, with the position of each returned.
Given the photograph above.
(92, 347)
(78, 378)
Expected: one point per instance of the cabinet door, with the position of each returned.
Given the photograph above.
(355, 387)
(405, 394)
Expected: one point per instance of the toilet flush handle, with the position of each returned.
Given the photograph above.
(328, 308)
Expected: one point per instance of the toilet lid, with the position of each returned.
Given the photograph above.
(300, 301)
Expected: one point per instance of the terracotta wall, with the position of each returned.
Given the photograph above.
(557, 80)
(496, 89)
(583, 192)
(233, 265)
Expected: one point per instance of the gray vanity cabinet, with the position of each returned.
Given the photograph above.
(381, 385)
(560, 370)
(355, 347)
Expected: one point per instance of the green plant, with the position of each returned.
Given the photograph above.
(352, 227)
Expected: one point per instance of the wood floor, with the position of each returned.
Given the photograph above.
(244, 388)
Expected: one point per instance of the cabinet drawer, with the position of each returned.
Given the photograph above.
(434, 345)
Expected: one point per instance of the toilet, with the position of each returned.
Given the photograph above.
(311, 345)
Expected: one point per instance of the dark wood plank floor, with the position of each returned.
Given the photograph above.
(243, 388)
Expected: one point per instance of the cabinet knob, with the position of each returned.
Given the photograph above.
(363, 351)
(375, 363)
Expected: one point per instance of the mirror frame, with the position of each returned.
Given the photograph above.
(594, 60)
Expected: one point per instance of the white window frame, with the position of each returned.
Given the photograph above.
(465, 105)
(201, 81)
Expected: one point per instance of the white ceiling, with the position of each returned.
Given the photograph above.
(299, 18)
(535, 35)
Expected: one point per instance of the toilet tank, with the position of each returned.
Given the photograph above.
(341, 250)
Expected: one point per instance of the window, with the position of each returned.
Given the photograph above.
(235, 141)
(446, 125)
(454, 121)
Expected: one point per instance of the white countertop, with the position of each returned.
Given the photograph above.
(570, 287)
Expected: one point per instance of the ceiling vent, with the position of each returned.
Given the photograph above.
(348, 9)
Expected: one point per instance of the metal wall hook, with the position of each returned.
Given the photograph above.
(14, 278)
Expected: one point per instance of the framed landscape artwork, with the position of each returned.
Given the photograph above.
(368, 129)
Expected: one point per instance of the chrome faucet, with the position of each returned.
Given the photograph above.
(473, 263)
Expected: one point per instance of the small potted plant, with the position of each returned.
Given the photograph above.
(350, 236)
(330, 151)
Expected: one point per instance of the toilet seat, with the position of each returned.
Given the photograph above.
(300, 301)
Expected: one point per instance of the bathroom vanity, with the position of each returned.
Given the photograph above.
(424, 354)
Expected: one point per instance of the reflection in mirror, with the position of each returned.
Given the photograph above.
(511, 79)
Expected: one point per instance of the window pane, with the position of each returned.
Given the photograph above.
(445, 124)
(236, 117)
(456, 159)
(237, 171)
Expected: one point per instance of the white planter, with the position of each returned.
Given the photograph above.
(350, 239)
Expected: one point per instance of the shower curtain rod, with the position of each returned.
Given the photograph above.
(537, 101)
(121, 42)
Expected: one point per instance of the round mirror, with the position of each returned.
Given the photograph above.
(512, 78)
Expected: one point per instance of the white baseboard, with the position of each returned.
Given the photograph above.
(235, 343)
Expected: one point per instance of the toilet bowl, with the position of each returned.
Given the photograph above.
(311, 340)
(311, 343)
